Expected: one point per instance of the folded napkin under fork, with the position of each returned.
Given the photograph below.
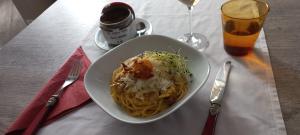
(73, 97)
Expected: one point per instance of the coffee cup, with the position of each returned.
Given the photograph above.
(117, 23)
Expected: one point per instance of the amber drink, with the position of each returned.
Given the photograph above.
(242, 21)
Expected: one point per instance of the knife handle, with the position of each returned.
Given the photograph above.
(41, 116)
(209, 128)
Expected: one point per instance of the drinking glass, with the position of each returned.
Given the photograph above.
(242, 21)
(193, 39)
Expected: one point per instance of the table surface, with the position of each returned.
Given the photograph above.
(31, 58)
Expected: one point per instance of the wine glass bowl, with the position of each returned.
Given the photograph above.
(189, 3)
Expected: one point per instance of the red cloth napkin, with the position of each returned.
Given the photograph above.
(73, 97)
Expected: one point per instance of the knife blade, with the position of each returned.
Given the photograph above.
(216, 96)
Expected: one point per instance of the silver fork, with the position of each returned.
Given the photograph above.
(73, 76)
(38, 120)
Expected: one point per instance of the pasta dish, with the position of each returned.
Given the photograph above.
(149, 83)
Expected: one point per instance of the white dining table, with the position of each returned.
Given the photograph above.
(250, 105)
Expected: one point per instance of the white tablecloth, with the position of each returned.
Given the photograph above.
(250, 105)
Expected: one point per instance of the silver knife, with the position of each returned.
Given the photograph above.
(216, 96)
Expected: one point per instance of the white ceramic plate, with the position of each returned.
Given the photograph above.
(99, 74)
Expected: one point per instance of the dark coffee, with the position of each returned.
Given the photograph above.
(114, 15)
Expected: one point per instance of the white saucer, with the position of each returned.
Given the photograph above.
(101, 42)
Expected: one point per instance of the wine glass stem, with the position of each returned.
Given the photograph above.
(190, 8)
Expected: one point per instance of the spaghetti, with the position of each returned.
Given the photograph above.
(149, 83)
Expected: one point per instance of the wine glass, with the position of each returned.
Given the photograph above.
(195, 40)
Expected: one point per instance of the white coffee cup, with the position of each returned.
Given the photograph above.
(117, 23)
